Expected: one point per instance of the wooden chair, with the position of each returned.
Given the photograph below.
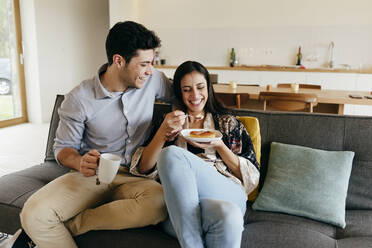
(301, 86)
(289, 101)
(213, 78)
(232, 100)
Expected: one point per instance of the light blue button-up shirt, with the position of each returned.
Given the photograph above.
(117, 122)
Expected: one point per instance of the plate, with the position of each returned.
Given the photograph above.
(186, 134)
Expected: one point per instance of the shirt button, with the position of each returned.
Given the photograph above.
(128, 141)
(125, 112)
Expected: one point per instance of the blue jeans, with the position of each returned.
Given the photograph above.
(205, 208)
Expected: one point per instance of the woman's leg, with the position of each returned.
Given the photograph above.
(222, 222)
(181, 196)
(186, 179)
(168, 227)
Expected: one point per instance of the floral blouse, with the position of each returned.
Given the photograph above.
(235, 137)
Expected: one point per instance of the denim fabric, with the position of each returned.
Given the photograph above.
(205, 208)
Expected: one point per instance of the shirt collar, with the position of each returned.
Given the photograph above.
(99, 90)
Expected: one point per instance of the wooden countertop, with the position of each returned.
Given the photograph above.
(275, 68)
(324, 96)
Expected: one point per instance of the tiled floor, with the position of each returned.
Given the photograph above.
(22, 146)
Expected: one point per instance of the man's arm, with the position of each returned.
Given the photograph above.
(86, 164)
(69, 136)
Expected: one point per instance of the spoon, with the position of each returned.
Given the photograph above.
(196, 117)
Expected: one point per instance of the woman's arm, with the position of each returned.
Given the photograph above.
(230, 159)
(171, 125)
(243, 148)
(233, 155)
(227, 156)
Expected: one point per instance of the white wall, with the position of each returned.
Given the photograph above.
(31, 63)
(119, 9)
(263, 32)
(63, 45)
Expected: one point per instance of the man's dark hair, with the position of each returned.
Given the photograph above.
(125, 38)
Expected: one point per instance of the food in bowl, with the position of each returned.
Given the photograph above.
(202, 134)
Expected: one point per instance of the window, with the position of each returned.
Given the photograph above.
(12, 88)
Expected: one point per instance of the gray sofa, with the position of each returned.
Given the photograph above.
(262, 229)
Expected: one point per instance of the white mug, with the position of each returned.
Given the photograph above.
(108, 167)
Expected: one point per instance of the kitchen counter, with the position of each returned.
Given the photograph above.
(276, 68)
(330, 101)
(337, 79)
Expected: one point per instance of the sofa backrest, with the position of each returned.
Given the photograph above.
(321, 131)
(49, 154)
(327, 132)
(159, 110)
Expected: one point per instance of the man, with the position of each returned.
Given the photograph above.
(112, 113)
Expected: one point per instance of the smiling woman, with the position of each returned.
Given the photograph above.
(12, 90)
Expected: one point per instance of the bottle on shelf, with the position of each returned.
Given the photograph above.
(299, 57)
(331, 59)
(157, 58)
(233, 60)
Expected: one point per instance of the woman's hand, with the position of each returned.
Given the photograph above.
(173, 124)
(168, 130)
(227, 156)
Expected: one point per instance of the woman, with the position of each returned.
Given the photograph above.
(205, 184)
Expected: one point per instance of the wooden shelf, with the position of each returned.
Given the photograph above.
(275, 68)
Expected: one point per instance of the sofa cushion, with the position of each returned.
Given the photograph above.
(358, 136)
(358, 224)
(362, 242)
(253, 128)
(271, 229)
(149, 237)
(272, 218)
(17, 187)
(277, 234)
(306, 182)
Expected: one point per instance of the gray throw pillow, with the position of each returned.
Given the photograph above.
(306, 182)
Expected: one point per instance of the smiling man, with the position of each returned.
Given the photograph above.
(109, 113)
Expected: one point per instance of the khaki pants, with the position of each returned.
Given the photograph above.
(73, 204)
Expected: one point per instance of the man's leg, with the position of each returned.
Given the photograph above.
(136, 202)
(45, 211)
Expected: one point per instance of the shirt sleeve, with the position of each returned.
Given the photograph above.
(71, 125)
(250, 174)
(237, 139)
(133, 169)
(248, 163)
